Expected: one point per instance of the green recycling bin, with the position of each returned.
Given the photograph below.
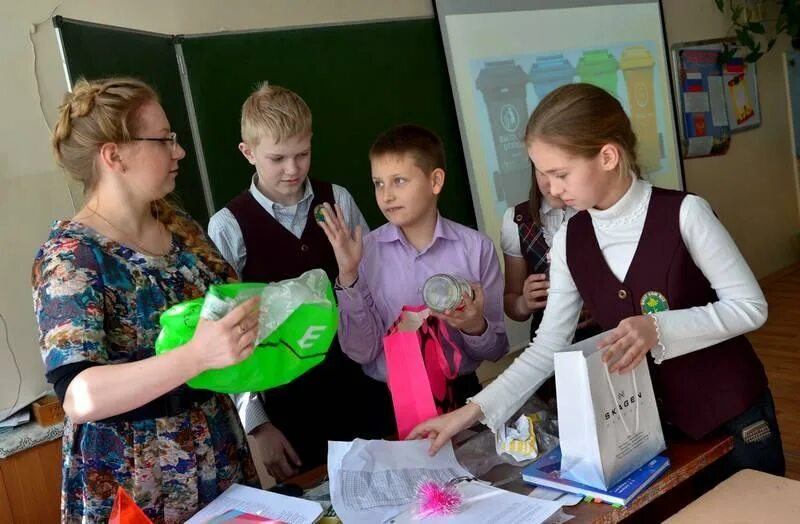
(599, 67)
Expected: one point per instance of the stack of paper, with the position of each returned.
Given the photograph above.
(376, 482)
(17, 419)
(547, 472)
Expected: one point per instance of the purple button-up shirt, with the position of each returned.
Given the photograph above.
(391, 275)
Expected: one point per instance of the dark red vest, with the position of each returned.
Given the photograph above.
(273, 252)
(698, 391)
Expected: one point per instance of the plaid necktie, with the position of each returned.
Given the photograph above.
(533, 245)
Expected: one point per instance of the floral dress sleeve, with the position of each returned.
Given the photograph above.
(69, 305)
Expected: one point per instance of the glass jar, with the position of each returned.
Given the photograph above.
(443, 292)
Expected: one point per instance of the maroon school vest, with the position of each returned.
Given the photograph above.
(273, 252)
(700, 390)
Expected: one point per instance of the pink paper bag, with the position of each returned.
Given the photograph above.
(418, 372)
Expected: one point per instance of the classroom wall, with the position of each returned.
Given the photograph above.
(751, 187)
(34, 192)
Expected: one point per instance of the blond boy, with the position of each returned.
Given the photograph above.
(268, 234)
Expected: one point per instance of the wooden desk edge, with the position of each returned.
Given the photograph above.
(311, 478)
(671, 478)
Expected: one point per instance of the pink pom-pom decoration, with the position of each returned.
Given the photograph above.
(435, 499)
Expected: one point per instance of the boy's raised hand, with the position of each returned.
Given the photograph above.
(469, 317)
(347, 245)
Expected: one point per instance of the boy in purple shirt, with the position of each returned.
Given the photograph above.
(386, 270)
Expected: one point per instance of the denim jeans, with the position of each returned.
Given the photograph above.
(764, 455)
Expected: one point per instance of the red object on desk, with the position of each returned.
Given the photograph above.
(125, 510)
(235, 516)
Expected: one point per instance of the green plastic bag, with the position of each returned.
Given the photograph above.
(297, 323)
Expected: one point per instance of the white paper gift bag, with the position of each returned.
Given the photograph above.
(608, 422)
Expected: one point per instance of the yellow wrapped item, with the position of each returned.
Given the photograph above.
(519, 440)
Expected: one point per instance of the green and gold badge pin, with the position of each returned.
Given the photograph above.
(318, 215)
(653, 302)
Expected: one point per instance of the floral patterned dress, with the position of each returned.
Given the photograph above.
(99, 302)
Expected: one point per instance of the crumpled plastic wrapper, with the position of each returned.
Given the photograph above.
(479, 452)
(519, 439)
(278, 300)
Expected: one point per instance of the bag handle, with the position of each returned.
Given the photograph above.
(614, 396)
(435, 328)
(438, 331)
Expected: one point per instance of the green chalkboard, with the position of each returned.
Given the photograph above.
(94, 51)
(358, 79)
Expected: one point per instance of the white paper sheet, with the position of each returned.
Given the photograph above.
(700, 145)
(716, 97)
(559, 518)
(562, 497)
(259, 502)
(486, 504)
(17, 419)
(696, 102)
(376, 481)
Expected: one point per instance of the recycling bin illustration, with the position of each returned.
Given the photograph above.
(637, 65)
(599, 67)
(550, 72)
(503, 86)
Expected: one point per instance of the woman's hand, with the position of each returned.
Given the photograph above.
(221, 343)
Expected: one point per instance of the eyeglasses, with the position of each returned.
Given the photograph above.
(171, 139)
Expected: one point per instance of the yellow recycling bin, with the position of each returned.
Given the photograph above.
(637, 66)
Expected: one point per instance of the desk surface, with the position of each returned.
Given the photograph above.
(747, 496)
(686, 458)
(29, 435)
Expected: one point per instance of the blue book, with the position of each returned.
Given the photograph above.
(547, 472)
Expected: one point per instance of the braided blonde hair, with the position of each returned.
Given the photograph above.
(96, 113)
(105, 111)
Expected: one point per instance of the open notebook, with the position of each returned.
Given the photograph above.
(241, 503)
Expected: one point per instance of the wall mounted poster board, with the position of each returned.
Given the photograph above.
(715, 99)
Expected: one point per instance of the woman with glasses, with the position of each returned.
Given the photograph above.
(100, 283)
